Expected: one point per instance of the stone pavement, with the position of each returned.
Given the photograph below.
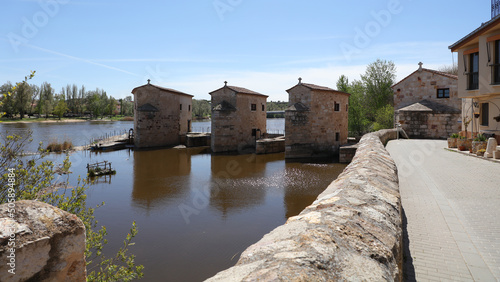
(452, 208)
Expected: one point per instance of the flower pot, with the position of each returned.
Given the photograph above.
(478, 145)
(480, 153)
(461, 148)
(462, 143)
(452, 142)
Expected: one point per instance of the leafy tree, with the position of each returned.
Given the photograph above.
(358, 123)
(201, 109)
(7, 102)
(276, 106)
(378, 79)
(22, 98)
(384, 118)
(46, 103)
(61, 106)
(34, 97)
(128, 106)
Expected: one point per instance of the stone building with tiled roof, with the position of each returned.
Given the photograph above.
(315, 121)
(162, 116)
(426, 104)
(238, 118)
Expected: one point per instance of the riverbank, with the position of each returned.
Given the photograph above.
(63, 120)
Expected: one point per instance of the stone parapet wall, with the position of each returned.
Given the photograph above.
(270, 145)
(352, 232)
(40, 242)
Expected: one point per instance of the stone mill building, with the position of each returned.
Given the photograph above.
(427, 105)
(238, 118)
(315, 121)
(162, 116)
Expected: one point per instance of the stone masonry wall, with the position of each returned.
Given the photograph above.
(161, 128)
(428, 125)
(314, 132)
(40, 243)
(352, 232)
(422, 85)
(232, 130)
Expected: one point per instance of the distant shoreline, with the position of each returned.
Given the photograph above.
(44, 121)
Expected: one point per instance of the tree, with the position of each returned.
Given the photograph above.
(201, 109)
(128, 106)
(61, 106)
(358, 123)
(46, 103)
(7, 102)
(378, 79)
(34, 97)
(22, 98)
(449, 69)
(384, 119)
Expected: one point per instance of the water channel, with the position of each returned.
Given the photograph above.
(195, 212)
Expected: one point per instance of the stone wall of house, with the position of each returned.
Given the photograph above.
(424, 85)
(232, 129)
(352, 232)
(40, 243)
(313, 132)
(164, 126)
(428, 125)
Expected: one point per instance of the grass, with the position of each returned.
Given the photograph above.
(57, 147)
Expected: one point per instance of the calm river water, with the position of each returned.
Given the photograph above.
(195, 212)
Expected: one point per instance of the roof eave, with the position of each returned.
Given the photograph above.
(478, 31)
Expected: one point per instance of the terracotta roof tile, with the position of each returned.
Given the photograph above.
(241, 90)
(429, 106)
(162, 88)
(452, 76)
(318, 87)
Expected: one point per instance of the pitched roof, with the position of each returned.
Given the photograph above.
(224, 106)
(163, 89)
(318, 87)
(298, 107)
(429, 106)
(478, 31)
(147, 108)
(452, 76)
(240, 90)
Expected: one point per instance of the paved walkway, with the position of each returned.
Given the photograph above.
(452, 208)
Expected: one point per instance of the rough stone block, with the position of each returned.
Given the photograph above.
(41, 242)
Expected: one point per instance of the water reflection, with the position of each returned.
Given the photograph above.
(304, 182)
(239, 182)
(161, 175)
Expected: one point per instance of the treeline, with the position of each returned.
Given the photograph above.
(71, 101)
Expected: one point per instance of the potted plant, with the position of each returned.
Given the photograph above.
(462, 143)
(452, 141)
(481, 152)
(480, 142)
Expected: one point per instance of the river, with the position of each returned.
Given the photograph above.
(195, 212)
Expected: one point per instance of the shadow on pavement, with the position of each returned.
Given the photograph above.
(408, 268)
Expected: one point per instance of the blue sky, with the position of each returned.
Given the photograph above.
(194, 46)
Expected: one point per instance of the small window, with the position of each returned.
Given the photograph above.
(337, 136)
(180, 107)
(263, 108)
(254, 107)
(337, 107)
(189, 107)
(485, 107)
(443, 93)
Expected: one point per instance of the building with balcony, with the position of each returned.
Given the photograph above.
(479, 78)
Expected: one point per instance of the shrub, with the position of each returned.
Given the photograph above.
(454, 135)
(480, 137)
